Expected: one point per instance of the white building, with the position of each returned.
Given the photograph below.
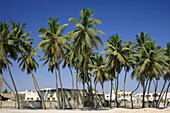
(151, 96)
(120, 95)
(50, 95)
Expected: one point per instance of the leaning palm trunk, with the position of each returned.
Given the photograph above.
(62, 93)
(124, 88)
(163, 95)
(95, 102)
(166, 95)
(117, 83)
(13, 85)
(144, 90)
(57, 92)
(159, 99)
(148, 92)
(103, 96)
(34, 79)
(7, 84)
(111, 93)
(132, 94)
(73, 103)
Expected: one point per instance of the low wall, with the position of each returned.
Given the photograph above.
(31, 104)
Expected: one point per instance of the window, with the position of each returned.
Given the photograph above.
(37, 98)
(27, 98)
(48, 98)
(53, 99)
(31, 98)
(107, 96)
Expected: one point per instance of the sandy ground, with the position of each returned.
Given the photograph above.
(115, 110)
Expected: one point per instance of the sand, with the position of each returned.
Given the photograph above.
(115, 110)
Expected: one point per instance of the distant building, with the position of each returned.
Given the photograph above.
(120, 95)
(11, 96)
(151, 95)
(50, 95)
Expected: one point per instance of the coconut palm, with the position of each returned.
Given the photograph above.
(167, 74)
(99, 71)
(116, 57)
(70, 63)
(29, 58)
(53, 44)
(22, 43)
(151, 64)
(85, 36)
(130, 47)
(7, 50)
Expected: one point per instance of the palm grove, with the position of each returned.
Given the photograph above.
(149, 62)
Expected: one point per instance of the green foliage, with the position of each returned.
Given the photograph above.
(5, 91)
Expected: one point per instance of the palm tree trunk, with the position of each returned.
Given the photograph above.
(166, 95)
(103, 95)
(132, 94)
(95, 103)
(117, 104)
(77, 87)
(124, 88)
(73, 102)
(38, 90)
(7, 84)
(85, 75)
(115, 92)
(157, 103)
(144, 90)
(33, 76)
(111, 93)
(57, 92)
(63, 98)
(163, 94)
(148, 91)
(13, 84)
(156, 86)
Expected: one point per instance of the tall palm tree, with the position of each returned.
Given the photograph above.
(28, 63)
(22, 43)
(53, 44)
(130, 47)
(70, 63)
(85, 36)
(116, 58)
(151, 64)
(167, 74)
(8, 50)
(99, 71)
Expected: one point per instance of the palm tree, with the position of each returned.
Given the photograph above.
(99, 71)
(29, 58)
(22, 43)
(85, 36)
(151, 64)
(8, 50)
(167, 74)
(116, 57)
(70, 63)
(52, 45)
(28, 63)
(130, 47)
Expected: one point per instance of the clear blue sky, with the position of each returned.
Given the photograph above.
(125, 17)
